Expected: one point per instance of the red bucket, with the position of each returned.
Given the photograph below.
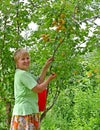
(42, 97)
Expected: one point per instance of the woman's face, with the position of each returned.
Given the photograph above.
(23, 62)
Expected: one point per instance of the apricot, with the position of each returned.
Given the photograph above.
(62, 16)
(61, 21)
(61, 40)
(59, 27)
(54, 22)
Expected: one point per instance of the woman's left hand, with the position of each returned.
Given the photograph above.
(48, 62)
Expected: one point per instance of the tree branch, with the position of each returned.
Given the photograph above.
(18, 25)
(85, 20)
(54, 100)
(92, 18)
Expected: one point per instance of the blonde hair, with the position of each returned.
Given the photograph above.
(20, 52)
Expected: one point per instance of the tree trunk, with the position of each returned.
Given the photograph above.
(8, 113)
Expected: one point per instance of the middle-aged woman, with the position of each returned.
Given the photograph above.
(26, 88)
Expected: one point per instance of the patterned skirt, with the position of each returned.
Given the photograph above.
(28, 122)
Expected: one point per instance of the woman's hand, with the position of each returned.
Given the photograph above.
(44, 70)
(52, 76)
(48, 62)
(40, 87)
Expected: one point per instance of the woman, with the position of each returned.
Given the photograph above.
(26, 112)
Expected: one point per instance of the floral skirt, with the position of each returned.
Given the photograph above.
(28, 122)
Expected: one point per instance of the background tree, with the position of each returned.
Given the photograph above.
(75, 49)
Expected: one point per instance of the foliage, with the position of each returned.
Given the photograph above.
(75, 50)
(78, 104)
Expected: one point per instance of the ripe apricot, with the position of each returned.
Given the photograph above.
(61, 40)
(62, 16)
(54, 22)
(63, 54)
(95, 70)
(59, 27)
(89, 74)
(61, 21)
(45, 37)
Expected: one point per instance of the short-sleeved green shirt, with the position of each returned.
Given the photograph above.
(26, 101)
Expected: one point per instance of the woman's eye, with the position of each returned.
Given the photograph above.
(28, 58)
(23, 58)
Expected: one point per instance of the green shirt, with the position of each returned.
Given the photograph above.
(26, 101)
